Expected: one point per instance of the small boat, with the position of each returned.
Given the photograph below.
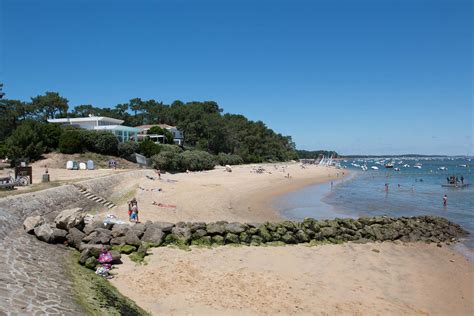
(417, 166)
(406, 166)
(443, 168)
(463, 166)
(389, 165)
(396, 169)
(453, 185)
(374, 168)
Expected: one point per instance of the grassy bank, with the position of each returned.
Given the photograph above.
(96, 295)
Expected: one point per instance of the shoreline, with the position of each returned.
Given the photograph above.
(392, 277)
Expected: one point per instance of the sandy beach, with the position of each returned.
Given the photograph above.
(374, 279)
(241, 195)
(348, 279)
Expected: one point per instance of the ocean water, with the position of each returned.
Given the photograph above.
(411, 192)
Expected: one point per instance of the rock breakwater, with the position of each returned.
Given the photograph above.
(92, 237)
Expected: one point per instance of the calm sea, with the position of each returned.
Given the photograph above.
(411, 192)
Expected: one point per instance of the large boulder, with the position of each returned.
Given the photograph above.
(139, 229)
(120, 230)
(93, 248)
(182, 233)
(85, 254)
(96, 224)
(164, 226)
(59, 235)
(98, 237)
(199, 233)
(31, 222)
(153, 235)
(235, 228)
(74, 237)
(45, 233)
(231, 238)
(70, 218)
(215, 228)
(131, 238)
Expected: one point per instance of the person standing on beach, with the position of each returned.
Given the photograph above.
(386, 187)
(462, 180)
(445, 200)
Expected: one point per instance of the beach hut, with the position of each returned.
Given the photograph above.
(75, 165)
(69, 165)
(90, 165)
(82, 166)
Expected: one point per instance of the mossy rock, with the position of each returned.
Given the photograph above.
(288, 225)
(232, 239)
(281, 230)
(256, 240)
(244, 237)
(91, 263)
(204, 241)
(271, 226)
(288, 238)
(264, 233)
(301, 236)
(127, 249)
(252, 231)
(218, 240)
(276, 236)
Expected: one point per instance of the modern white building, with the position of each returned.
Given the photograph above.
(102, 123)
(178, 136)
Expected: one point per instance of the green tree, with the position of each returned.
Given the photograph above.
(51, 133)
(71, 142)
(50, 105)
(26, 142)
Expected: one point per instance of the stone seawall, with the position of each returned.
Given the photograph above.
(32, 275)
(92, 238)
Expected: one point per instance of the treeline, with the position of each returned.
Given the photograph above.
(25, 134)
(315, 154)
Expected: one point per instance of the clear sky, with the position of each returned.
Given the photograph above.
(374, 77)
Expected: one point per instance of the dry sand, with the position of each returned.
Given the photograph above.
(331, 279)
(241, 195)
(349, 279)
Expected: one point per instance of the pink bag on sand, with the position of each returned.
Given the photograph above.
(105, 257)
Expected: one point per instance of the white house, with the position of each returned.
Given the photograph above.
(123, 133)
(178, 136)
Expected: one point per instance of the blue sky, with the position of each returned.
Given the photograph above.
(377, 77)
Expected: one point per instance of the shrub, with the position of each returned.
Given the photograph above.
(166, 160)
(51, 134)
(105, 143)
(126, 149)
(148, 148)
(26, 142)
(71, 142)
(228, 159)
(173, 148)
(196, 160)
(3, 150)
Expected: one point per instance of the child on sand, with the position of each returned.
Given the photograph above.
(134, 215)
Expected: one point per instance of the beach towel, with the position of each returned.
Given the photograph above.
(164, 205)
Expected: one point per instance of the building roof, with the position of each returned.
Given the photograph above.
(86, 119)
(118, 128)
(147, 127)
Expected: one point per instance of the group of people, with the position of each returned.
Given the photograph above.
(454, 180)
(133, 210)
